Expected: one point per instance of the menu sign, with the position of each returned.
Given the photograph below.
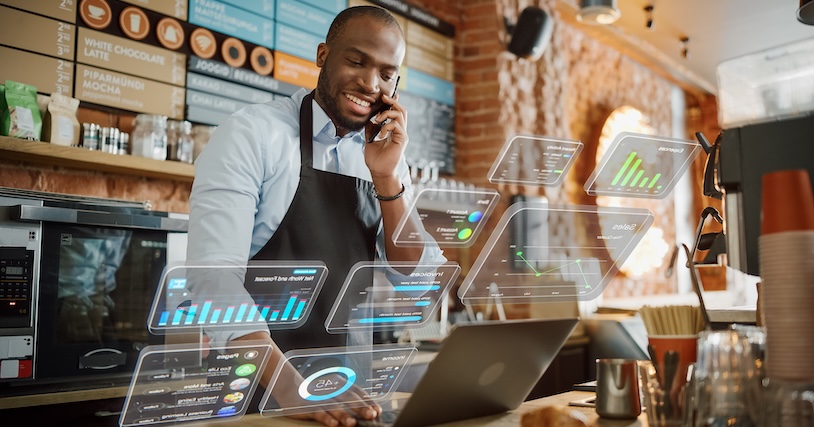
(48, 74)
(64, 10)
(36, 33)
(239, 75)
(128, 92)
(232, 21)
(120, 54)
(174, 8)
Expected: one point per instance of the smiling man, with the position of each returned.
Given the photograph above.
(295, 179)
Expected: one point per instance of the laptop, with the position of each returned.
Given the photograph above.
(482, 369)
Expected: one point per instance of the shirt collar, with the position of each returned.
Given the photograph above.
(324, 126)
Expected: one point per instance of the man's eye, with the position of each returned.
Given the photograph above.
(387, 77)
(355, 63)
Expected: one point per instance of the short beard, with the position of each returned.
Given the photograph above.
(331, 106)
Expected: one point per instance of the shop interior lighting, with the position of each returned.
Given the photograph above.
(598, 12)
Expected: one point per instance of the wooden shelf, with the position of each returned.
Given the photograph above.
(43, 153)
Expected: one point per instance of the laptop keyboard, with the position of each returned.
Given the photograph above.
(386, 419)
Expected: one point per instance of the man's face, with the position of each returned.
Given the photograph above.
(360, 65)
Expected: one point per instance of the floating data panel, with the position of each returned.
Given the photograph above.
(377, 297)
(447, 217)
(177, 383)
(335, 378)
(279, 294)
(637, 165)
(541, 253)
(534, 160)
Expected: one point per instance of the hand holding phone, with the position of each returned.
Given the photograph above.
(378, 127)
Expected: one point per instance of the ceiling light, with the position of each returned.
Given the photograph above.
(598, 12)
(805, 13)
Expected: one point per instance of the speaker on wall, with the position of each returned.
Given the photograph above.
(531, 33)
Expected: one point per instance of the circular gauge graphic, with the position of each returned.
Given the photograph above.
(327, 383)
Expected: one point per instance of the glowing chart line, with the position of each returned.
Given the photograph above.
(390, 319)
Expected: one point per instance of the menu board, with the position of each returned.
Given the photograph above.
(36, 33)
(131, 93)
(174, 8)
(128, 56)
(46, 73)
(432, 131)
(63, 10)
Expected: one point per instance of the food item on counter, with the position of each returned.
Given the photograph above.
(553, 416)
(21, 115)
(60, 126)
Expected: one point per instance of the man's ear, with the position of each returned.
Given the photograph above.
(322, 54)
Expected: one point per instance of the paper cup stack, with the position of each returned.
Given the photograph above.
(787, 271)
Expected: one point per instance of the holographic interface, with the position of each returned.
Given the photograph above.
(335, 378)
(277, 294)
(379, 297)
(178, 383)
(638, 165)
(534, 160)
(447, 217)
(529, 258)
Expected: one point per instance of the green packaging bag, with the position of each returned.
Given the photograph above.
(20, 113)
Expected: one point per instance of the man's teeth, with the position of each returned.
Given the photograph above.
(358, 101)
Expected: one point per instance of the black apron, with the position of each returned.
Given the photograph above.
(334, 219)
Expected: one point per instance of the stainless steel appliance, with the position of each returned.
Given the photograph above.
(77, 278)
(746, 153)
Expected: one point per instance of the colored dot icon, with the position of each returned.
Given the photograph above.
(245, 370)
(475, 216)
(465, 233)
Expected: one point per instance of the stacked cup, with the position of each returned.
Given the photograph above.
(787, 271)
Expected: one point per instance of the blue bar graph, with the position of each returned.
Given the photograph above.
(215, 316)
(240, 312)
(289, 307)
(390, 319)
(264, 313)
(227, 316)
(252, 314)
(423, 303)
(162, 321)
(176, 320)
(204, 311)
(408, 288)
(298, 311)
(193, 309)
(274, 315)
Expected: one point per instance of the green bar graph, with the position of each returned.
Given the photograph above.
(631, 174)
(653, 182)
(635, 180)
(624, 166)
(632, 171)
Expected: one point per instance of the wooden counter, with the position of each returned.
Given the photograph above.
(507, 419)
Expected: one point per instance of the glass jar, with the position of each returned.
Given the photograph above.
(149, 138)
(179, 141)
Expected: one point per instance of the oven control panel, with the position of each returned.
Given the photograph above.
(16, 286)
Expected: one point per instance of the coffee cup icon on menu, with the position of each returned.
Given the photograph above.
(96, 12)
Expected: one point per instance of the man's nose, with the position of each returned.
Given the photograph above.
(370, 81)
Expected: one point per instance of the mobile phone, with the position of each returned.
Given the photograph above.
(385, 107)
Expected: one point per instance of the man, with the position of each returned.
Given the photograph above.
(295, 179)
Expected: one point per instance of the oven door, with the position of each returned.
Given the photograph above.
(99, 271)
